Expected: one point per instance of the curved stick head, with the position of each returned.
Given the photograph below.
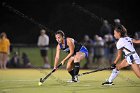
(41, 80)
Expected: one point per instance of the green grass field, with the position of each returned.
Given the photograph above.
(26, 81)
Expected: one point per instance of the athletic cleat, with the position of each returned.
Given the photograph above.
(108, 83)
(74, 79)
(70, 81)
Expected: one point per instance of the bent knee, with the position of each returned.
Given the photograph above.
(69, 68)
(118, 67)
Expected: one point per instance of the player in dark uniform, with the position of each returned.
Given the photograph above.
(76, 53)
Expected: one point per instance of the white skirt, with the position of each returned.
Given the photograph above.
(134, 58)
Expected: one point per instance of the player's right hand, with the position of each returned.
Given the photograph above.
(62, 62)
(54, 68)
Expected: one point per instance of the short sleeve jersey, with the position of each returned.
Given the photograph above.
(125, 44)
(4, 45)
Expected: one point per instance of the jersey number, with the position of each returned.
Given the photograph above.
(130, 42)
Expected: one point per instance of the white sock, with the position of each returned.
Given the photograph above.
(113, 75)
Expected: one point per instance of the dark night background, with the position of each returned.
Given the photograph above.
(61, 14)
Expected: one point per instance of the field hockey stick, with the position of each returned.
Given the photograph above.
(42, 80)
(100, 69)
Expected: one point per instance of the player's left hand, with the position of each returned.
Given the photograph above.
(113, 66)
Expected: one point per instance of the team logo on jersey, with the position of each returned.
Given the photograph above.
(67, 50)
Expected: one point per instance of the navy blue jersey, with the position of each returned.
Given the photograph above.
(66, 47)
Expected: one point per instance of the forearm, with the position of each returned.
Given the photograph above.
(56, 62)
(136, 41)
(117, 59)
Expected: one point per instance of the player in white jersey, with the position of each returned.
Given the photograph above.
(125, 45)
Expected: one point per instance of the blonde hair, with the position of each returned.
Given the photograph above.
(2, 35)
